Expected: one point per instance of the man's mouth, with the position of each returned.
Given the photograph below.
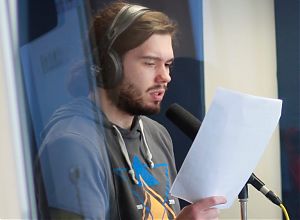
(157, 94)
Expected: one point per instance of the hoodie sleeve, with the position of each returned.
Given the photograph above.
(76, 176)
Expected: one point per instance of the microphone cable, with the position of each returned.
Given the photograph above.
(286, 214)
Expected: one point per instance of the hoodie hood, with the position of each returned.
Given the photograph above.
(87, 109)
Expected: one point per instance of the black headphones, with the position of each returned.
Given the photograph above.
(111, 68)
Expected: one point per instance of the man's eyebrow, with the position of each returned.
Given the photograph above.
(156, 58)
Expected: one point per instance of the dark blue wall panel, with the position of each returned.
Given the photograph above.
(287, 43)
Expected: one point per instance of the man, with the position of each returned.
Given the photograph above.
(125, 169)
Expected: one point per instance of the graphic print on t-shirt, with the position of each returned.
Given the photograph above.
(151, 203)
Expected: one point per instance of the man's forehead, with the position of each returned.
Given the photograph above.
(156, 46)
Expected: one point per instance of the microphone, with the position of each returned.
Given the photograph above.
(184, 120)
(260, 186)
(190, 125)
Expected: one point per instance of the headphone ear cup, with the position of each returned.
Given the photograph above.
(112, 70)
(111, 64)
(117, 64)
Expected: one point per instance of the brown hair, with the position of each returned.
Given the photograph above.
(149, 23)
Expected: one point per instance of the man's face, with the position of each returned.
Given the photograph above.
(146, 75)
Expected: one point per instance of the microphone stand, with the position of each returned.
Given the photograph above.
(243, 199)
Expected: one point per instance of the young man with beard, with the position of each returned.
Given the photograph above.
(123, 170)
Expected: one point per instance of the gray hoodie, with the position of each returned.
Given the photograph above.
(100, 171)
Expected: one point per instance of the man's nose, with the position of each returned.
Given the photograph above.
(163, 74)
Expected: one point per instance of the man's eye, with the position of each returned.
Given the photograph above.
(169, 65)
(149, 63)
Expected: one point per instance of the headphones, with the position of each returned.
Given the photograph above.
(111, 68)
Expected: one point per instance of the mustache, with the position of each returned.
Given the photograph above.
(165, 87)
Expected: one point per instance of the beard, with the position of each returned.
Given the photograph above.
(129, 99)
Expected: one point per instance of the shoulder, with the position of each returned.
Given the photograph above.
(76, 129)
(74, 142)
(81, 139)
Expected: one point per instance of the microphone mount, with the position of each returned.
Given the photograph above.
(260, 186)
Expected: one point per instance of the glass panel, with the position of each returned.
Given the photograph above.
(76, 174)
(69, 151)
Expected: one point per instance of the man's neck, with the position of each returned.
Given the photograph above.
(112, 112)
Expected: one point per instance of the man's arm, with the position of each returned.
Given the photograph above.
(75, 179)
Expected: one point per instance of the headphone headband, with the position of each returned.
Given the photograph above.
(126, 16)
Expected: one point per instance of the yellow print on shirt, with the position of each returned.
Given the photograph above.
(158, 208)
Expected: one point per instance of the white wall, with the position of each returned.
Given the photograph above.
(240, 54)
(13, 189)
(9, 206)
(9, 199)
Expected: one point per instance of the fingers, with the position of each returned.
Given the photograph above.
(209, 202)
(203, 209)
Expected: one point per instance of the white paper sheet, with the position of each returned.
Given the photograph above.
(228, 146)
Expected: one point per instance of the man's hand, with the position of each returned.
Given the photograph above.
(202, 210)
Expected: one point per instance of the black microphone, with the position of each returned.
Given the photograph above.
(184, 120)
(190, 125)
(260, 186)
